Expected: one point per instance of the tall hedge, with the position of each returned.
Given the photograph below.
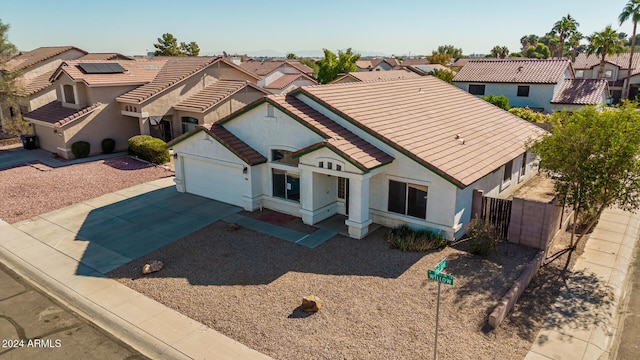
(149, 148)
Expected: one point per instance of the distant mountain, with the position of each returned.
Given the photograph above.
(299, 53)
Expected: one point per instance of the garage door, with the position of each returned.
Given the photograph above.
(213, 181)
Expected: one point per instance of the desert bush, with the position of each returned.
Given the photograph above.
(153, 150)
(135, 141)
(108, 145)
(80, 149)
(483, 237)
(500, 101)
(406, 239)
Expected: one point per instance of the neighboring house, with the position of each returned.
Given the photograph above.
(375, 76)
(98, 99)
(427, 69)
(575, 93)
(280, 76)
(616, 72)
(391, 152)
(529, 83)
(377, 64)
(35, 68)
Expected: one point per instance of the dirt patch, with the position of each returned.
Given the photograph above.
(27, 191)
(290, 222)
(377, 302)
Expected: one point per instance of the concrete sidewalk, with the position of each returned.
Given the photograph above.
(150, 327)
(583, 322)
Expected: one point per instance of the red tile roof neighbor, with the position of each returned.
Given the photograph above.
(524, 71)
(581, 92)
(137, 72)
(378, 75)
(426, 119)
(212, 95)
(263, 68)
(54, 113)
(29, 58)
(287, 79)
(584, 61)
(37, 84)
(355, 149)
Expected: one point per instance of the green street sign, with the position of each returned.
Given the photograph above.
(443, 278)
(441, 265)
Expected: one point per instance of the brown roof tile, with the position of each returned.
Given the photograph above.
(524, 71)
(584, 61)
(139, 71)
(54, 113)
(210, 96)
(352, 147)
(263, 68)
(421, 118)
(581, 92)
(285, 80)
(378, 75)
(105, 56)
(30, 58)
(228, 140)
(37, 84)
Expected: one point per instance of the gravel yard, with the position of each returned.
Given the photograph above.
(27, 191)
(377, 302)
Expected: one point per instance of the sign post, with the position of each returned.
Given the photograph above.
(436, 275)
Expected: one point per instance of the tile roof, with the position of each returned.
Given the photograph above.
(263, 68)
(37, 84)
(414, 62)
(584, 61)
(524, 71)
(581, 92)
(378, 75)
(104, 56)
(212, 95)
(29, 58)
(140, 71)
(228, 140)
(54, 113)
(353, 148)
(372, 63)
(286, 79)
(175, 70)
(422, 117)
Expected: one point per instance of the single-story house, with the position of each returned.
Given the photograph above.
(391, 152)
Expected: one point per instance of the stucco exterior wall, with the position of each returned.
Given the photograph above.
(49, 138)
(42, 98)
(50, 64)
(540, 95)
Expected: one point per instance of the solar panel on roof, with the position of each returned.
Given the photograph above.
(101, 68)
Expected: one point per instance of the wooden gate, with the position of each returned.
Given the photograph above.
(498, 213)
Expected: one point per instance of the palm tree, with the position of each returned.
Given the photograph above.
(564, 27)
(500, 52)
(527, 41)
(604, 43)
(630, 11)
(574, 42)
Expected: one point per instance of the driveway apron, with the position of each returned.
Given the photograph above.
(109, 231)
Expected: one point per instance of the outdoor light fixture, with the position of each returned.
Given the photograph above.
(245, 170)
(175, 155)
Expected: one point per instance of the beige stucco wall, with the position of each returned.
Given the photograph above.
(49, 138)
(50, 64)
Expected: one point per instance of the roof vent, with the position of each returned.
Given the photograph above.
(520, 68)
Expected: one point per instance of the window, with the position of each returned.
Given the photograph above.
(286, 185)
(188, 124)
(608, 74)
(408, 199)
(329, 165)
(67, 93)
(579, 74)
(284, 157)
(506, 175)
(343, 188)
(523, 166)
(476, 89)
(338, 167)
(523, 90)
(321, 164)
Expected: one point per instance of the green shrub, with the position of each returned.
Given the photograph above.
(500, 101)
(135, 141)
(406, 239)
(483, 237)
(153, 150)
(80, 149)
(108, 145)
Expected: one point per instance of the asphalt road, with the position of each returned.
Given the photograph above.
(629, 348)
(34, 326)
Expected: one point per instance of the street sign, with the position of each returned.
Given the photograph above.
(443, 278)
(441, 265)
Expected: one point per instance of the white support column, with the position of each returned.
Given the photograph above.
(306, 196)
(144, 126)
(359, 220)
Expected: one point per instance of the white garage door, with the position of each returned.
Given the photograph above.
(213, 181)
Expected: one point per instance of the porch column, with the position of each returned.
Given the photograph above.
(359, 220)
(306, 196)
(144, 126)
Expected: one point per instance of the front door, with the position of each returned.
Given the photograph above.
(343, 193)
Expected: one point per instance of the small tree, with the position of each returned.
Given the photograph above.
(452, 51)
(500, 101)
(291, 56)
(331, 65)
(168, 46)
(444, 75)
(540, 51)
(9, 87)
(439, 58)
(595, 158)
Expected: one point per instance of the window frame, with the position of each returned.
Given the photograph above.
(404, 204)
(189, 124)
(288, 193)
(476, 87)
(523, 90)
(506, 169)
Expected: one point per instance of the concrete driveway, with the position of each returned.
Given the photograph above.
(111, 230)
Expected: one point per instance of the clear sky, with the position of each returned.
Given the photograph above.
(391, 27)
